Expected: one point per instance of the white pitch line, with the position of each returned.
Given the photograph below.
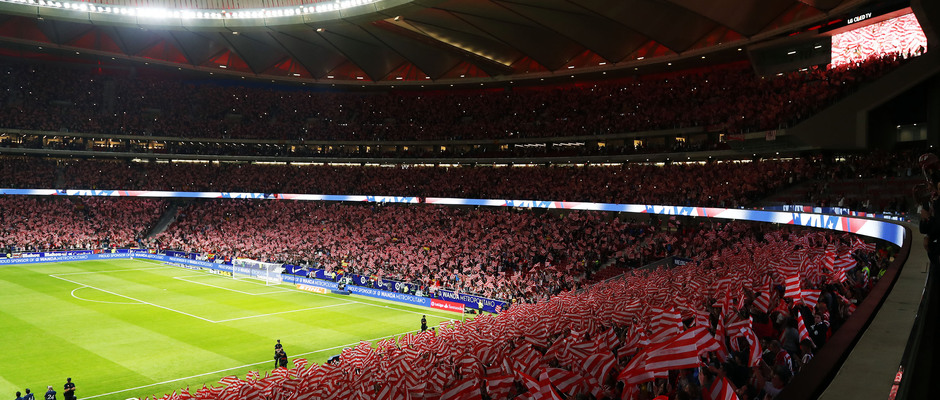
(225, 288)
(385, 306)
(137, 300)
(332, 297)
(351, 301)
(97, 301)
(315, 294)
(105, 272)
(239, 367)
(81, 285)
(282, 312)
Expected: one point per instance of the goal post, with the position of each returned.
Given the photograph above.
(269, 273)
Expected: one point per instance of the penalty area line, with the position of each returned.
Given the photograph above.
(137, 300)
(239, 367)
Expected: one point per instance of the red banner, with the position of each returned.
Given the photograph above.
(446, 305)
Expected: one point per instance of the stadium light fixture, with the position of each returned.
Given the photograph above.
(159, 14)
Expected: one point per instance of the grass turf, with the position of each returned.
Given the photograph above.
(134, 328)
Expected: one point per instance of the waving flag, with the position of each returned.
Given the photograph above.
(599, 365)
(566, 381)
(811, 297)
(762, 302)
(793, 287)
(545, 392)
(721, 389)
(801, 326)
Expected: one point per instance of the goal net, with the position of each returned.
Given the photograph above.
(269, 273)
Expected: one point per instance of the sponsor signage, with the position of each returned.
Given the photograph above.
(446, 305)
(473, 301)
(314, 289)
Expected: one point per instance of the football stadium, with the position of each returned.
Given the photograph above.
(456, 199)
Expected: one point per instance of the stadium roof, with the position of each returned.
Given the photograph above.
(400, 41)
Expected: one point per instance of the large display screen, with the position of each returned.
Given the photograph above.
(901, 35)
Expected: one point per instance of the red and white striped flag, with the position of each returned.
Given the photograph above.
(500, 386)
(721, 389)
(845, 262)
(599, 365)
(636, 372)
(466, 388)
(230, 380)
(680, 352)
(754, 355)
(566, 381)
(762, 302)
(838, 275)
(801, 326)
(527, 380)
(811, 297)
(664, 324)
(793, 287)
(545, 392)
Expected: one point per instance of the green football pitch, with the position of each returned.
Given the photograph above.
(134, 328)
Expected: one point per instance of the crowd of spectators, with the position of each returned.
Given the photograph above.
(521, 255)
(725, 98)
(753, 328)
(879, 181)
(54, 223)
(726, 184)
